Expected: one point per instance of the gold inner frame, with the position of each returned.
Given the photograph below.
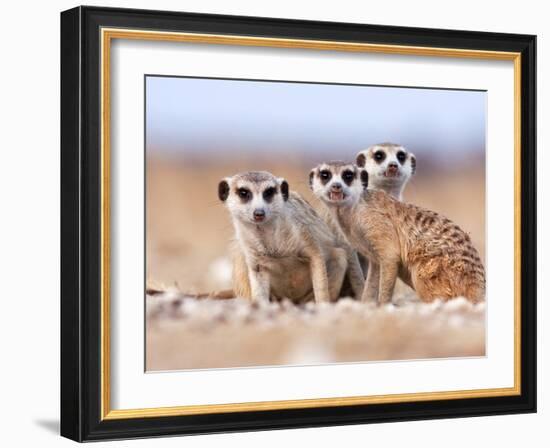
(107, 35)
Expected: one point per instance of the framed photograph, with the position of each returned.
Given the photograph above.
(273, 223)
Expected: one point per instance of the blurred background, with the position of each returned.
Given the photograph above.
(201, 130)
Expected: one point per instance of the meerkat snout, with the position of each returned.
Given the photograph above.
(254, 197)
(392, 170)
(337, 182)
(259, 214)
(336, 192)
(389, 165)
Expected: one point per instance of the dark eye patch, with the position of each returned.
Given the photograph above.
(365, 179)
(379, 156)
(348, 176)
(325, 176)
(269, 193)
(361, 160)
(244, 194)
(401, 156)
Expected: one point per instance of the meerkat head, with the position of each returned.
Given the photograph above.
(338, 183)
(390, 166)
(254, 197)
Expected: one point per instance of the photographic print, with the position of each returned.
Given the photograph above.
(294, 223)
(343, 212)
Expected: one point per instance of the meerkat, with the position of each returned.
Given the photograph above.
(389, 166)
(282, 247)
(427, 251)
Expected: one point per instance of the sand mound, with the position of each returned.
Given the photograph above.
(187, 333)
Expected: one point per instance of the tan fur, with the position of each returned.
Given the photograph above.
(354, 281)
(382, 177)
(426, 250)
(293, 254)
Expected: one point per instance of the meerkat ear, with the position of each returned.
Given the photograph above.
(284, 189)
(361, 160)
(311, 176)
(364, 179)
(413, 163)
(223, 190)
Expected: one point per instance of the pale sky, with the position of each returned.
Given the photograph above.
(198, 117)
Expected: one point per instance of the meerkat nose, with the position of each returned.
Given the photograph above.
(259, 214)
(392, 170)
(336, 187)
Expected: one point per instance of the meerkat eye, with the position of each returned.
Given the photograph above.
(244, 193)
(348, 176)
(379, 156)
(325, 175)
(269, 193)
(401, 156)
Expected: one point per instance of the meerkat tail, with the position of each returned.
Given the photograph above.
(153, 291)
(225, 294)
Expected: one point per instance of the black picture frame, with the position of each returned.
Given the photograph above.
(81, 224)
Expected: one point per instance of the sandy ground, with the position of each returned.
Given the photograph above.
(186, 333)
(188, 233)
